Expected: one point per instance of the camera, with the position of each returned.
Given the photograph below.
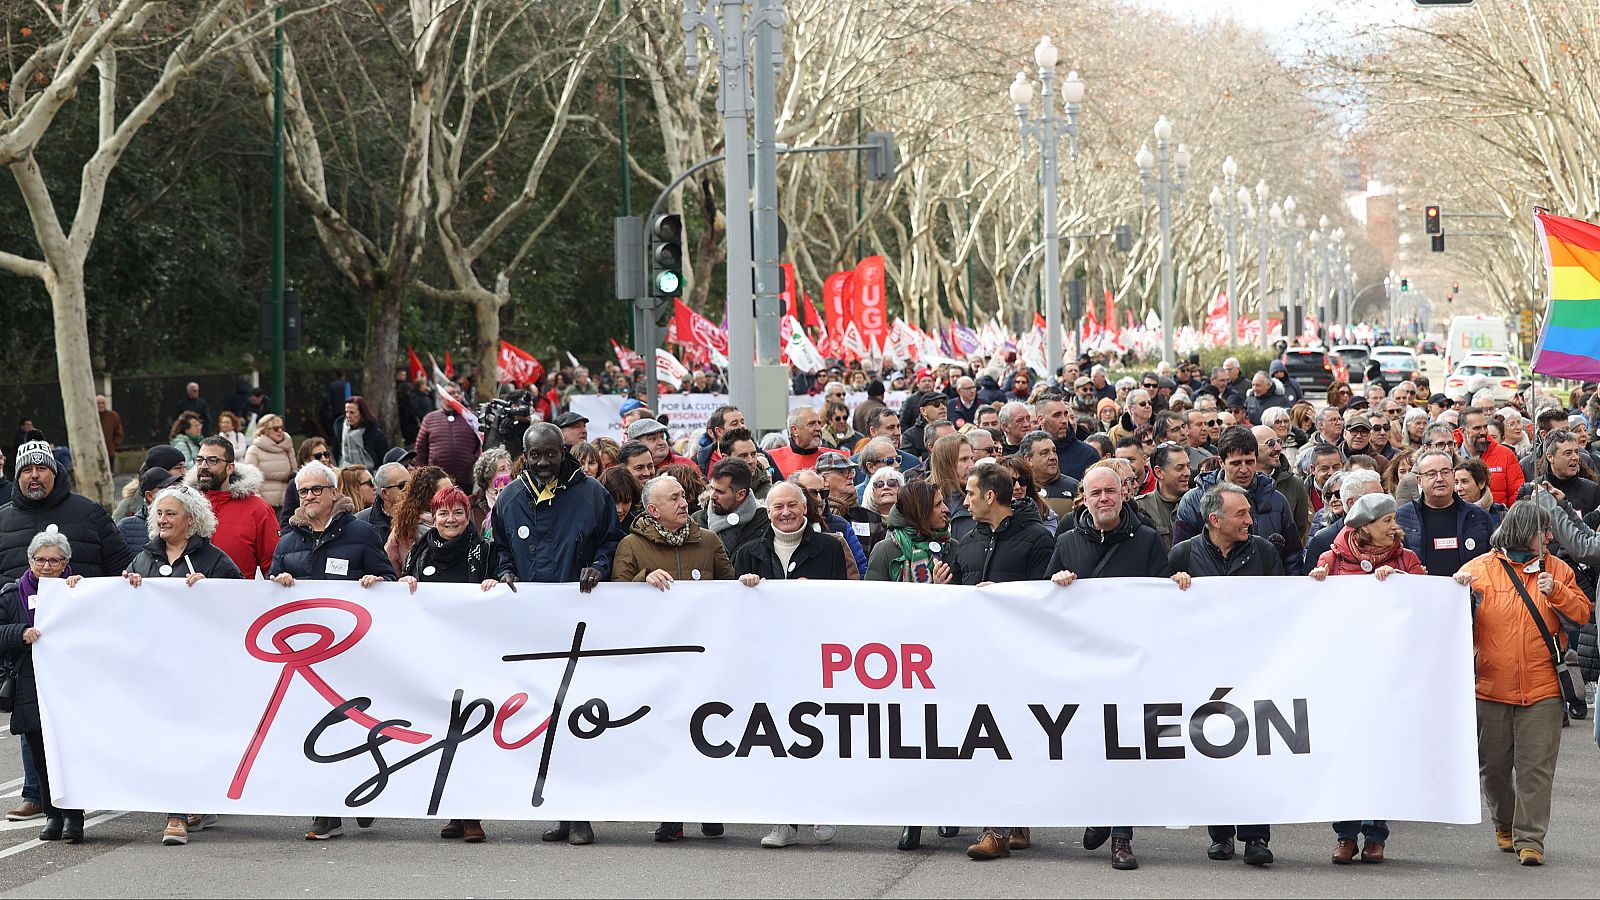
(504, 420)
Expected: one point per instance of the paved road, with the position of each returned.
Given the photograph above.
(265, 857)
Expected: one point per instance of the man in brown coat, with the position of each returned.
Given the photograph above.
(110, 427)
(664, 547)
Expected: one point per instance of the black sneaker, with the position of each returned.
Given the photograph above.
(324, 828)
(669, 832)
(1221, 850)
(711, 829)
(1256, 853)
(365, 821)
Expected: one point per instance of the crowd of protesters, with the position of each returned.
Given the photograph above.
(983, 474)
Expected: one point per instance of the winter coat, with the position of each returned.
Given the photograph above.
(553, 541)
(13, 622)
(701, 557)
(1505, 472)
(276, 461)
(866, 525)
(1473, 527)
(1159, 513)
(97, 546)
(200, 556)
(247, 528)
(1130, 550)
(789, 460)
(752, 524)
(135, 529)
(1581, 494)
(1255, 405)
(820, 556)
(1344, 559)
(857, 563)
(372, 438)
(989, 391)
(962, 413)
(376, 516)
(1589, 653)
(465, 559)
(1074, 455)
(1322, 539)
(1513, 660)
(1294, 491)
(447, 441)
(189, 445)
(1201, 558)
(344, 551)
(884, 554)
(1269, 511)
(1019, 550)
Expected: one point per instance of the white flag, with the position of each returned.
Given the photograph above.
(669, 370)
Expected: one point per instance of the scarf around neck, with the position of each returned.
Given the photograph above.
(28, 585)
(651, 527)
(743, 513)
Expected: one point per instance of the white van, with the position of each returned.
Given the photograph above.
(1475, 334)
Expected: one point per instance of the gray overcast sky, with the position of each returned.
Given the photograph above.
(1280, 17)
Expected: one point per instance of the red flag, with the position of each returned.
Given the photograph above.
(1040, 322)
(696, 330)
(795, 302)
(626, 358)
(1111, 313)
(415, 369)
(516, 366)
(870, 300)
(449, 367)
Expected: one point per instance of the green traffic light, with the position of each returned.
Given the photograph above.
(668, 283)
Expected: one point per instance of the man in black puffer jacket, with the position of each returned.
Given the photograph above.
(42, 497)
(1007, 544)
(1269, 509)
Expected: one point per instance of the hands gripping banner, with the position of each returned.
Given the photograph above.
(1124, 700)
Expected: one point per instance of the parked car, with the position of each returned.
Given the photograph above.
(1313, 367)
(1354, 357)
(1397, 363)
(1429, 347)
(1501, 376)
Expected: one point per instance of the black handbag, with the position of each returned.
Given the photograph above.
(1571, 693)
(8, 686)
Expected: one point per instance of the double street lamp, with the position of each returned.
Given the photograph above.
(1229, 208)
(1168, 189)
(1047, 130)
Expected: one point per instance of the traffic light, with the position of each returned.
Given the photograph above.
(1431, 220)
(629, 261)
(1123, 234)
(1405, 285)
(880, 156)
(666, 255)
(1438, 243)
(1455, 287)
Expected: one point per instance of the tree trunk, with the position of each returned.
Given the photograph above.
(91, 468)
(383, 349)
(486, 311)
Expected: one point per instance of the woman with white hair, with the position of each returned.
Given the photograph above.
(181, 525)
(881, 490)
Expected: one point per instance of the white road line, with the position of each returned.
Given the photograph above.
(29, 845)
(10, 784)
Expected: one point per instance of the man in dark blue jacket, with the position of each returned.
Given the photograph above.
(1271, 517)
(555, 525)
(1441, 528)
(1052, 417)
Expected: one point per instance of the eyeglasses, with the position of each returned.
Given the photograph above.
(1212, 423)
(1274, 442)
(400, 486)
(1431, 474)
(48, 562)
(322, 454)
(1150, 385)
(315, 490)
(368, 483)
(210, 460)
(882, 461)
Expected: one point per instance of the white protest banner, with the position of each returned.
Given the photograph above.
(687, 413)
(1121, 701)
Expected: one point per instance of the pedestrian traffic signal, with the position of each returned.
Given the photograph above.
(1438, 243)
(1431, 221)
(1405, 285)
(666, 255)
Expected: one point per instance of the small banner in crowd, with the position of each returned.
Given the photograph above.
(517, 366)
(1121, 700)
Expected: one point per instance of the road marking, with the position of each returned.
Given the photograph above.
(29, 845)
(11, 784)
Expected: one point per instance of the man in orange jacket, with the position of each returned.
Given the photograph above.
(1505, 470)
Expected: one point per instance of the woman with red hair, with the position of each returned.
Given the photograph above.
(454, 552)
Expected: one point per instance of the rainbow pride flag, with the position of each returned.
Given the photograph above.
(1569, 344)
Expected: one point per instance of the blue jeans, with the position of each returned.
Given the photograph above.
(1246, 833)
(30, 775)
(1376, 830)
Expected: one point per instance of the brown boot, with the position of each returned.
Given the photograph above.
(452, 830)
(1122, 857)
(472, 831)
(1020, 839)
(1344, 852)
(992, 846)
(1372, 852)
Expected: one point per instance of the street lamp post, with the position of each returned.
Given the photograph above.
(1263, 245)
(1227, 208)
(1167, 190)
(1047, 130)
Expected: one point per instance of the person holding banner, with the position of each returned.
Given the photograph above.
(555, 525)
(1226, 547)
(663, 548)
(1521, 594)
(49, 556)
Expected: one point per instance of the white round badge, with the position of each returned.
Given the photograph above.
(695, 574)
(523, 532)
(1366, 565)
(1472, 544)
(817, 527)
(935, 547)
(165, 570)
(449, 418)
(429, 570)
(791, 565)
(733, 518)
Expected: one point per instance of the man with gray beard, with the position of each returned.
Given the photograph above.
(41, 498)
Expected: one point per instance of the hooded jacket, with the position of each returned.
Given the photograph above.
(466, 558)
(820, 556)
(1269, 511)
(1202, 558)
(247, 528)
(97, 546)
(751, 525)
(1281, 377)
(1345, 559)
(276, 461)
(200, 556)
(989, 390)
(344, 551)
(1019, 550)
(1132, 549)
(701, 557)
(554, 540)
